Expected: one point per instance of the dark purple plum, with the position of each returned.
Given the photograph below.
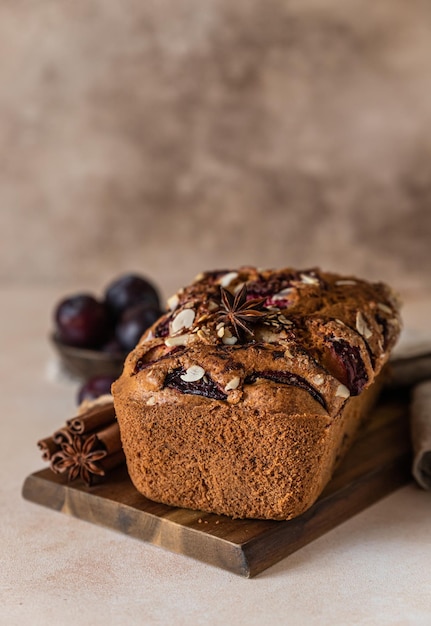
(112, 346)
(82, 321)
(347, 365)
(128, 291)
(206, 388)
(95, 387)
(133, 323)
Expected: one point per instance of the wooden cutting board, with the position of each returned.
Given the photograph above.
(377, 464)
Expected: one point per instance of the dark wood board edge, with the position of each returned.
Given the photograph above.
(244, 547)
(160, 531)
(249, 558)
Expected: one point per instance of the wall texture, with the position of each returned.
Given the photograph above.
(171, 137)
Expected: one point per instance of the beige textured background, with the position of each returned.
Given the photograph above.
(172, 136)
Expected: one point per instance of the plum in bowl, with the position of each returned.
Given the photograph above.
(92, 336)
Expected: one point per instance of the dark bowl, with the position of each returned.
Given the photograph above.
(83, 363)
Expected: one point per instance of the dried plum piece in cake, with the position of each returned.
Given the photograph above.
(341, 351)
(162, 328)
(289, 358)
(204, 386)
(272, 290)
(348, 365)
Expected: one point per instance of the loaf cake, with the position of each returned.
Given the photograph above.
(243, 397)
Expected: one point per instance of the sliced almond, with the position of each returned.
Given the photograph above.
(384, 308)
(342, 391)
(345, 282)
(229, 341)
(284, 320)
(173, 302)
(361, 326)
(199, 277)
(282, 294)
(203, 333)
(318, 379)
(184, 319)
(226, 280)
(193, 373)
(178, 340)
(233, 384)
(309, 280)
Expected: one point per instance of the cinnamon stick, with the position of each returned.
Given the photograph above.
(62, 435)
(89, 445)
(112, 461)
(48, 446)
(110, 438)
(92, 419)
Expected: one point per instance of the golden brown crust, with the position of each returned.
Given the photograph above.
(238, 399)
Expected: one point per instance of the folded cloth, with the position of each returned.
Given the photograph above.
(411, 360)
(420, 424)
(406, 371)
(410, 367)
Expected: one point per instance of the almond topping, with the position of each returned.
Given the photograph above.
(179, 340)
(384, 308)
(342, 391)
(346, 282)
(184, 319)
(361, 326)
(228, 278)
(202, 333)
(193, 373)
(318, 379)
(232, 384)
(309, 280)
(173, 302)
(229, 341)
(282, 294)
(281, 318)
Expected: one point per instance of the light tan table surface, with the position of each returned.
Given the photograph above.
(55, 569)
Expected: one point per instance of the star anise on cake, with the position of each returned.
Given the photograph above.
(238, 312)
(79, 459)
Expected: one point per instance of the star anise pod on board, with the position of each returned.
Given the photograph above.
(79, 459)
(239, 312)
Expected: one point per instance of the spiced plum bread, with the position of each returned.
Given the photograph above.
(244, 396)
